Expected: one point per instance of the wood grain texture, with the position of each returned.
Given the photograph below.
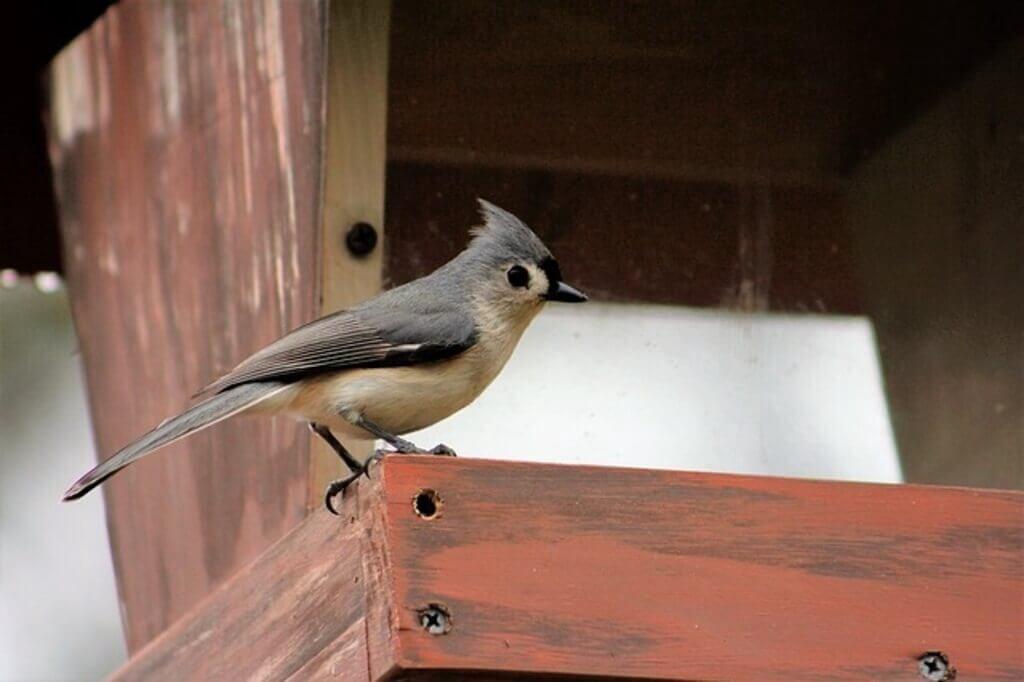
(298, 612)
(186, 142)
(710, 91)
(354, 159)
(582, 570)
(566, 571)
(747, 246)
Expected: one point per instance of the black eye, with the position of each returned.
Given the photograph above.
(518, 276)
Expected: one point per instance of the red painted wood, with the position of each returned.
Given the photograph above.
(559, 571)
(581, 570)
(186, 142)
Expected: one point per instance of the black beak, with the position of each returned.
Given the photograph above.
(564, 293)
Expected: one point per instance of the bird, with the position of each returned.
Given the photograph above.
(397, 363)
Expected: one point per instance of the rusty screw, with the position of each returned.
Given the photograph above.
(435, 619)
(361, 239)
(934, 666)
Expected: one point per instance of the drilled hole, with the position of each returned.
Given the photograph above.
(427, 504)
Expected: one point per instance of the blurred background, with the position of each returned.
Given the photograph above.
(800, 224)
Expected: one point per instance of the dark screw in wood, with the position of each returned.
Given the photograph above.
(361, 239)
(435, 619)
(934, 666)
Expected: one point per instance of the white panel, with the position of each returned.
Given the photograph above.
(58, 602)
(676, 388)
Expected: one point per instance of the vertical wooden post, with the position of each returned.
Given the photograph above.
(354, 160)
(202, 219)
(938, 211)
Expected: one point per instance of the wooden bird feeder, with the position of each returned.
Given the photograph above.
(481, 569)
(220, 172)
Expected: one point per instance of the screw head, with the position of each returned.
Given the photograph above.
(361, 239)
(934, 666)
(435, 619)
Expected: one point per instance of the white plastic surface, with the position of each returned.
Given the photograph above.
(676, 388)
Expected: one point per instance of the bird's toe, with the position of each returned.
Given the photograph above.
(334, 488)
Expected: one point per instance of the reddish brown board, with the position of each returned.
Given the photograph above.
(560, 571)
(597, 571)
(186, 142)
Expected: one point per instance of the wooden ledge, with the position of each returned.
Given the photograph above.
(583, 571)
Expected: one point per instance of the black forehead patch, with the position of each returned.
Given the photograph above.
(550, 267)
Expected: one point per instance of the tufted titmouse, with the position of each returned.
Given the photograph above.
(397, 363)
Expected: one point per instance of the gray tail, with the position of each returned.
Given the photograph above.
(212, 410)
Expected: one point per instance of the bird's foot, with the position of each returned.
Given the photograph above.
(409, 448)
(377, 456)
(339, 486)
(405, 447)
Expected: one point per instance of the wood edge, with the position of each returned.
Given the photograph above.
(711, 476)
(352, 178)
(366, 506)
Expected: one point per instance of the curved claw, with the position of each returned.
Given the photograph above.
(329, 500)
(377, 456)
(442, 449)
(338, 486)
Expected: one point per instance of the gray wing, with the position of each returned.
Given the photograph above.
(369, 336)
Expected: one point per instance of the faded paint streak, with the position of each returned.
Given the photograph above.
(108, 262)
(173, 233)
(171, 88)
(73, 104)
(279, 113)
(238, 40)
(183, 214)
(752, 291)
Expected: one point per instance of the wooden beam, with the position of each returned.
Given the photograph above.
(743, 245)
(186, 141)
(788, 92)
(355, 136)
(938, 214)
(561, 571)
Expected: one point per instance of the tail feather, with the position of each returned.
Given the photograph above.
(209, 412)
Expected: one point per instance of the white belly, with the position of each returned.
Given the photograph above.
(402, 399)
(398, 399)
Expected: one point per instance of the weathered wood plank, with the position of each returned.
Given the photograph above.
(743, 246)
(299, 611)
(186, 142)
(354, 160)
(583, 570)
(560, 571)
(722, 91)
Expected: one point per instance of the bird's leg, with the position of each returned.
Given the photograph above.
(356, 469)
(351, 462)
(400, 444)
(339, 486)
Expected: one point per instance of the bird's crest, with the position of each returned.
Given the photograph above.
(502, 232)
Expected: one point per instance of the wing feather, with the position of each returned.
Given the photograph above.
(351, 339)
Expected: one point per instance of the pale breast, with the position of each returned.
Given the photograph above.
(404, 399)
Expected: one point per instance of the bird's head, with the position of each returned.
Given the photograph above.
(514, 270)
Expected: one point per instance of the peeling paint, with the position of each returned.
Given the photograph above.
(184, 216)
(238, 40)
(75, 110)
(274, 43)
(171, 89)
(108, 262)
